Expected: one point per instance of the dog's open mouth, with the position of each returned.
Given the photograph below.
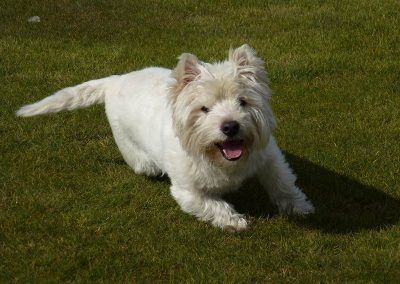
(231, 149)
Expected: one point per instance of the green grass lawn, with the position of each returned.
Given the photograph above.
(72, 210)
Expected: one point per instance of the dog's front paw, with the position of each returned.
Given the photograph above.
(303, 207)
(232, 223)
(300, 207)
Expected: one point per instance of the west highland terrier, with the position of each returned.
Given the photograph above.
(208, 126)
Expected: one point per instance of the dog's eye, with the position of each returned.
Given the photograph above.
(242, 102)
(205, 109)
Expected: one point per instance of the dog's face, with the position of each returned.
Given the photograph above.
(221, 110)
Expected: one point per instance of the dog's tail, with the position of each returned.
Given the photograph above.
(79, 96)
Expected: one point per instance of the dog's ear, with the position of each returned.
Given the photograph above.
(247, 62)
(186, 71)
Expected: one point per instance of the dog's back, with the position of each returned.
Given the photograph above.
(140, 118)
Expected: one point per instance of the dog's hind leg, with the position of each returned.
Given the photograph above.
(279, 181)
(137, 159)
(133, 155)
(210, 209)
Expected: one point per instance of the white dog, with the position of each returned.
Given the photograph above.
(208, 126)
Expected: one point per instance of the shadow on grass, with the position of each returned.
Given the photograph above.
(343, 205)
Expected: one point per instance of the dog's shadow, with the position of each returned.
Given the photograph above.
(343, 205)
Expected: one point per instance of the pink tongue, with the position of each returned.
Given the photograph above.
(232, 149)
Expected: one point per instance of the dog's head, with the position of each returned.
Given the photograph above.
(221, 111)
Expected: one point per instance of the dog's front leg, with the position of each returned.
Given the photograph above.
(209, 208)
(279, 181)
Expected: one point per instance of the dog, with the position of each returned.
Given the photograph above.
(208, 126)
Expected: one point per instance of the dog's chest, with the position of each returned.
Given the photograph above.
(218, 181)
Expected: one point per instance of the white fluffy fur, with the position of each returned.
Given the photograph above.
(157, 122)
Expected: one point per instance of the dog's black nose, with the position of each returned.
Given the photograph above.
(230, 128)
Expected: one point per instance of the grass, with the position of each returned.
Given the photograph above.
(72, 211)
